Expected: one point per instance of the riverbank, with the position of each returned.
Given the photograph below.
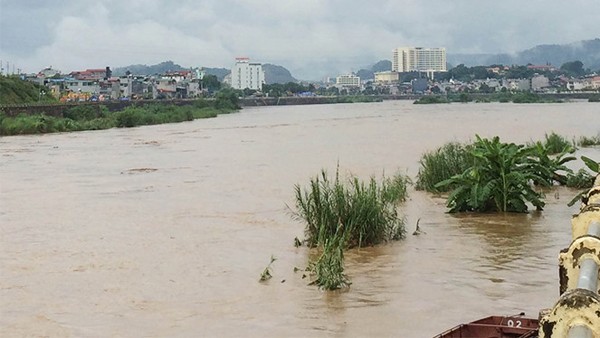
(42, 120)
(21, 119)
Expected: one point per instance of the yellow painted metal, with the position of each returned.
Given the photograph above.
(577, 312)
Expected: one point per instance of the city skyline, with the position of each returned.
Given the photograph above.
(311, 38)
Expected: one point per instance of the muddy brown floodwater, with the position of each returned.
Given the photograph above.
(163, 231)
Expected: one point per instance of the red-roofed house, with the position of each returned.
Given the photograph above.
(89, 74)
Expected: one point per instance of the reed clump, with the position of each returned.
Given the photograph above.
(585, 141)
(451, 159)
(556, 144)
(364, 213)
(340, 215)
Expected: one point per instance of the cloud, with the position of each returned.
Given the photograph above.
(312, 38)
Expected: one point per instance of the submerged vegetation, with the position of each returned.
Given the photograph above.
(555, 144)
(441, 164)
(363, 213)
(431, 99)
(96, 117)
(489, 175)
(585, 178)
(340, 216)
(515, 97)
(498, 180)
(585, 141)
(486, 175)
(328, 269)
(268, 271)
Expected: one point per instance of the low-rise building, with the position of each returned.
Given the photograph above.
(82, 86)
(347, 81)
(516, 84)
(91, 74)
(388, 77)
(539, 82)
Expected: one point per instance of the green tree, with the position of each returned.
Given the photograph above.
(519, 72)
(211, 83)
(573, 68)
(227, 99)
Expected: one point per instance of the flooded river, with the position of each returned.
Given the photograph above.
(163, 231)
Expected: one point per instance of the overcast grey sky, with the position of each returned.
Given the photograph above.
(312, 38)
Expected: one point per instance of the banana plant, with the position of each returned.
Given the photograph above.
(593, 166)
(551, 168)
(499, 180)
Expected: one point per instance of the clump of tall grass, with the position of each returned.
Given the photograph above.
(431, 99)
(556, 144)
(580, 180)
(585, 141)
(438, 165)
(364, 213)
(342, 215)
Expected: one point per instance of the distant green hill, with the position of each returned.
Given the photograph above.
(277, 74)
(220, 73)
(13, 90)
(164, 67)
(161, 68)
(381, 66)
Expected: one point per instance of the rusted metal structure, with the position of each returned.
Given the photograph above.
(576, 314)
(495, 327)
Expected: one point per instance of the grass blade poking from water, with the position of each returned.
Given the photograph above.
(340, 216)
(267, 272)
(328, 269)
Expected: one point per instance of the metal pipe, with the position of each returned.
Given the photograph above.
(594, 228)
(580, 331)
(588, 275)
(588, 280)
(588, 268)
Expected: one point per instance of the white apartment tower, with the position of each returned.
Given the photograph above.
(419, 59)
(246, 74)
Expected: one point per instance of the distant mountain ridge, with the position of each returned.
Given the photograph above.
(163, 67)
(586, 51)
(273, 73)
(369, 73)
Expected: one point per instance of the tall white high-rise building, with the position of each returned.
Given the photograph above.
(419, 59)
(246, 74)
